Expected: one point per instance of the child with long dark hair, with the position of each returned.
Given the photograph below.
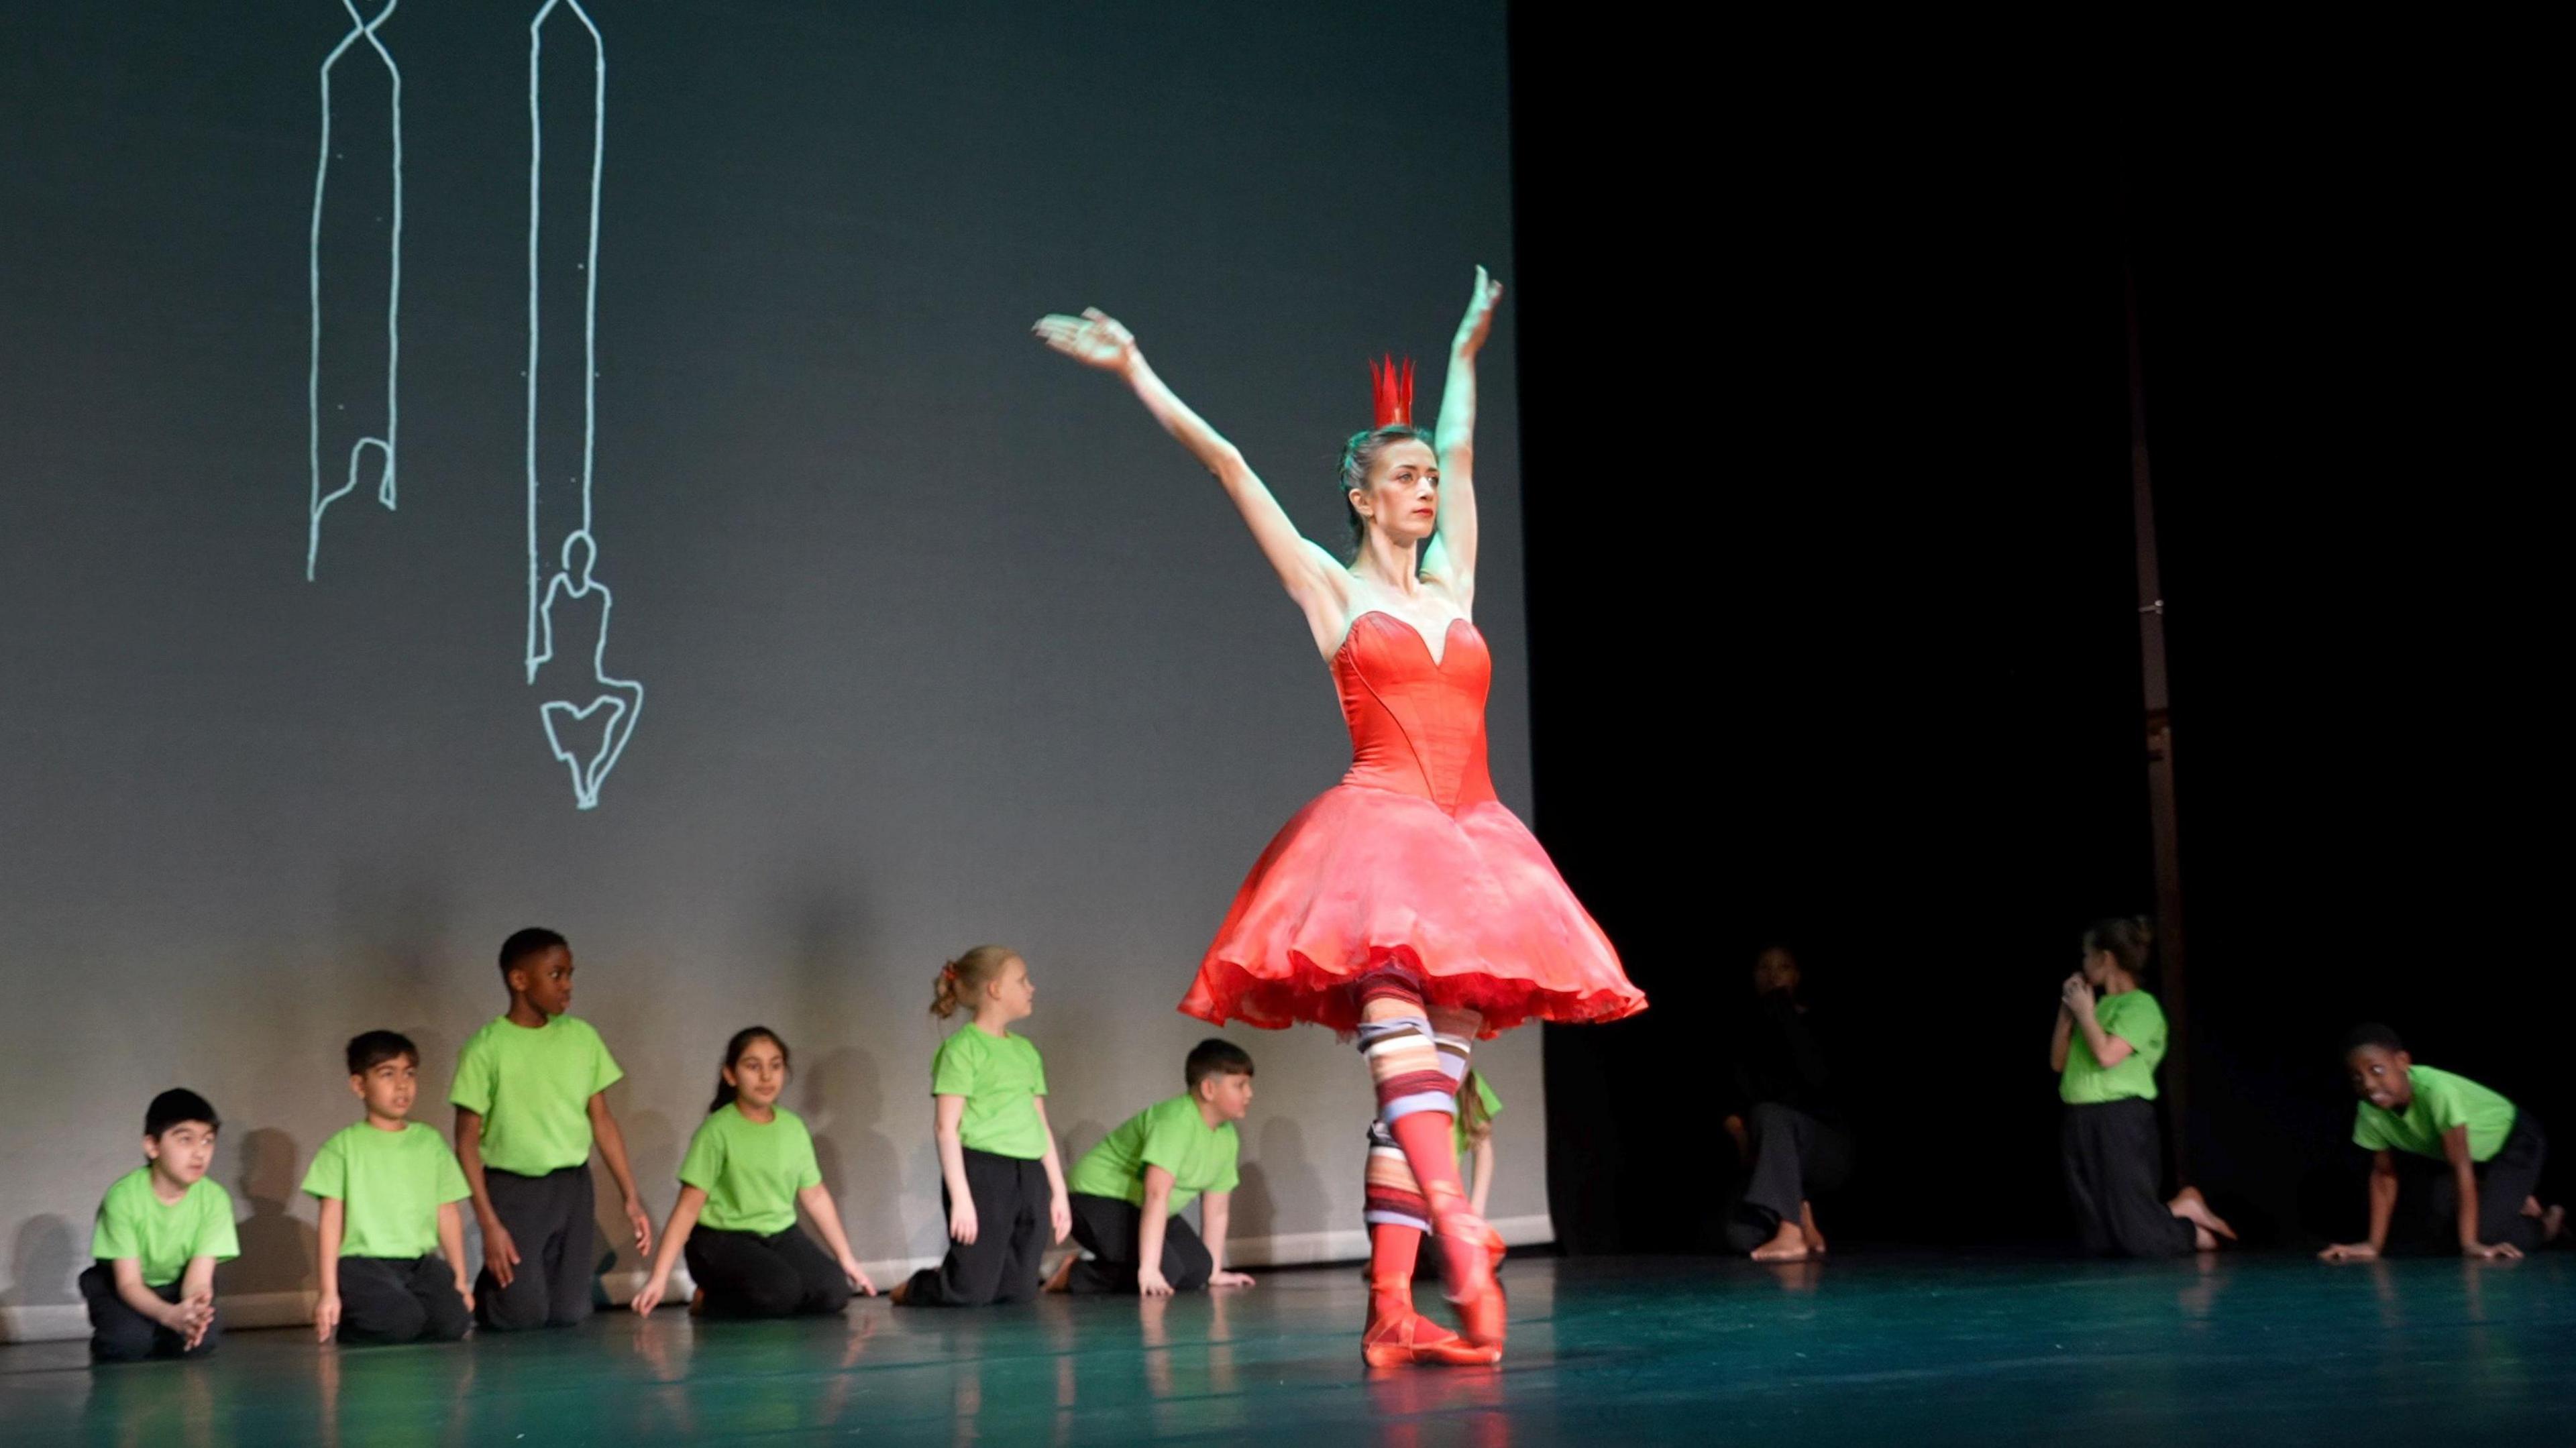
(750, 1166)
(2105, 1052)
(1000, 1178)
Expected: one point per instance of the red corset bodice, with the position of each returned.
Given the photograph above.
(1417, 724)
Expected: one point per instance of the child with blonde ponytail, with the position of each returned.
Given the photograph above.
(1000, 1179)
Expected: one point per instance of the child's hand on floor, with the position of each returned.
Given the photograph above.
(1229, 1279)
(2349, 1252)
(858, 1278)
(500, 1254)
(465, 1290)
(326, 1316)
(1151, 1282)
(2492, 1251)
(961, 1223)
(648, 1296)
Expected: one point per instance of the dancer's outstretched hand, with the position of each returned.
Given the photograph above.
(1480, 313)
(1094, 339)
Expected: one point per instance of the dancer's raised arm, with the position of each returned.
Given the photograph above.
(1313, 577)
(1452, 555)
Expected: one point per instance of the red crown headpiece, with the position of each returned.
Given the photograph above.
(1394, 384)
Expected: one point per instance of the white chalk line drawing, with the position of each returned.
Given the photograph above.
(361, 29)
(623, 698)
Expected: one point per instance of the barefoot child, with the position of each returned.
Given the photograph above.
(1789, 1126)
(750, 1166)
(2106, 1053)
(161, 1230)
(1128, 1192)
(389, 1188)
(2491, 1153)
(529, 1098)
(1000, 1179)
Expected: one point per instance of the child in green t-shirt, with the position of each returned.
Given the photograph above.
(391, 1247)
(2105, 1053)
(2491, 1152)
(997, 1157)
(750, 1166)
(530, 1099)
(161, 1230)
(1127, 1193)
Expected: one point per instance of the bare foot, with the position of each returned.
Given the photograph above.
(1789, 1244)
(902, 1292)
(1807, 1229)
(2553, 1221)
(1058, 1280)
(2201, 1240)
(2192, 1207)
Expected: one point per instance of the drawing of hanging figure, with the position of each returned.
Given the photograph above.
(349, 425)
(591, 713)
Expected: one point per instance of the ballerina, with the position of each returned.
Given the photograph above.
(1405, 906)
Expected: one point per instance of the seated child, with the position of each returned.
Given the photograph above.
(529, 1098)
(161, 1230)
(2492, 1150)
(999, 1176)
(1128, 1192)
(750, 1165)
(392, 1242)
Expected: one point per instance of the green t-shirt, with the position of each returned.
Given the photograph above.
(751, 1173)
(1168, 1134)
(1493, 1105)
(163, 1237)
(390, 1185)
(2134, 1017)
(1001, 1079)
(2442, 1101)
(532, 1087)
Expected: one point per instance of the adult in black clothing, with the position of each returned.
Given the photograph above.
(1786, 1121)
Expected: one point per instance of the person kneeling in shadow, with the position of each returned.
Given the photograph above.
(1787, 1123)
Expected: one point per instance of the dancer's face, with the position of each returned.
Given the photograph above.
(759, 1073)
(2098, 967)
(182, 1151)
(1012, 992)
(545, 978)
(1775, 973)
(388, 1087)
(2382, 1077)
(1402, 499)
(1229, 1093)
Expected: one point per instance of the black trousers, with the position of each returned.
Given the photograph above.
(394, 1299)
(119, 1334)
(1001, 1264)
(2115, 1178)
(2504, 1180)
(548, 1217)
(746, 1274)
(1107, 1227)
(1793, 1156)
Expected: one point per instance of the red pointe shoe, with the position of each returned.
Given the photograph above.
(1469, 1249)
(1397, 1336)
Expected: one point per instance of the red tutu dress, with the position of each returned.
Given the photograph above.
(1409, 861)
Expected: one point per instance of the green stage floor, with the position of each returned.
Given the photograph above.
(1908, 1350)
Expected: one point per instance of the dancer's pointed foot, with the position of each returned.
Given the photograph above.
(1397, 1336)
(2192, 1207)
(1789, 1244)
(1469, 1249)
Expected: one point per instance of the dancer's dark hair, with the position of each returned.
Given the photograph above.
(2372, 1033)
(370, 1049)
(177, 1106)
(1215, 1056)
(2129, 939)
(535, 940)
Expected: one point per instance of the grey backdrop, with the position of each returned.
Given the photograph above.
(944, 642)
